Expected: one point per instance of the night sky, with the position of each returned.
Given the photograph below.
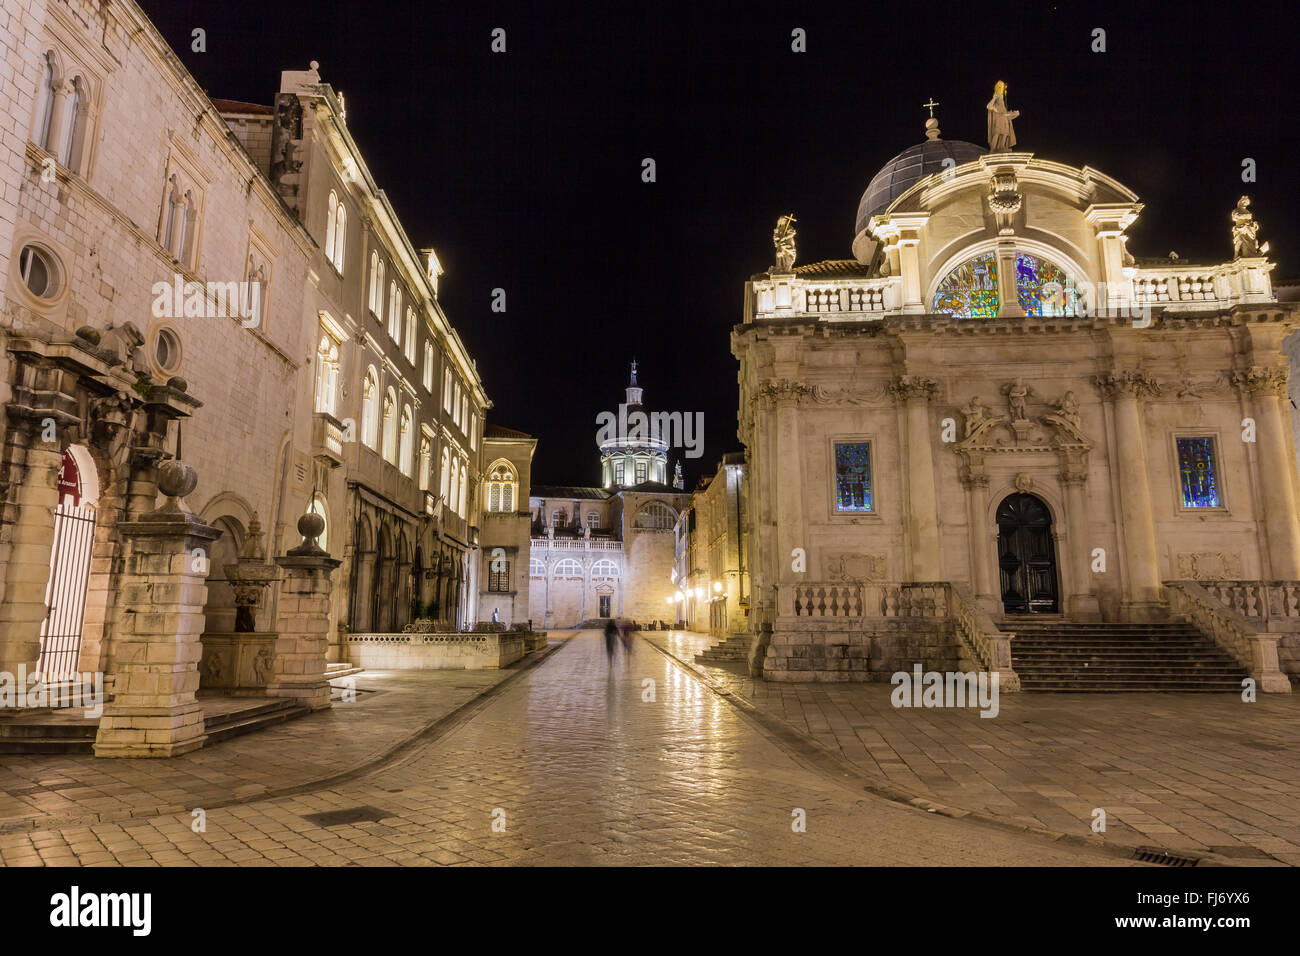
(523, 169)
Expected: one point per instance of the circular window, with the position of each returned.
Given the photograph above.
(39, 272)
(167, 350)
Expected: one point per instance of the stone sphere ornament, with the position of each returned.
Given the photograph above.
(310, 526)
(176, 478)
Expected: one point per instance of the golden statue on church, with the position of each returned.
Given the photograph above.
(1002, 137)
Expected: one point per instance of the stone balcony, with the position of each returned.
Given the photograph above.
(327, 439)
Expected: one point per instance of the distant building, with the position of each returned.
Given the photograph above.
(712, 572)
(607, 552)
(506, 526)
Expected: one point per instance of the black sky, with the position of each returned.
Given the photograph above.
(523, 169)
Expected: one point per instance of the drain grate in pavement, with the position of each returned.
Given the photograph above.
(337, 818)
(1148, 854)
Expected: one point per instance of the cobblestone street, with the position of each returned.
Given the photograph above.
(574, 767)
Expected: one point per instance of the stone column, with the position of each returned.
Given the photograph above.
(922, 508)
(154, 712)
(976, 486)
(302, 620)
(1082, 602)
(1142, 591)
(1277, 469)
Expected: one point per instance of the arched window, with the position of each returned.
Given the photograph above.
(330, 225)
(340, 234)
(426, 463)
(376, 282)
(370, 409)
(604, 568)
(464, 490)
(44, 104)
(390, 427)
(536, 569)
(568, 568)
(971, 290)
(446, 390)
(394, 308)
(74, 110)
(655, 517)
(501, 487)
(453, 499)
(446, 477)
(428, 367)
(410, 335)
(327, 374)
(406, 451)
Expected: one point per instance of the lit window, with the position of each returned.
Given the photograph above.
(656, 517)
(410, 335)
(568, 568)
(501, 487)
(604, 568)
(1042, 288)
(428, 366)
(370, 409)
(340, 234)
(446, 476)
(327, 374)
(498, 575)
(618, 472)
(394, 313)
(44, 104)
(473, 431)
(464, 491)
(390, 427)
(331, 225)
(407, 442)
(426, 463)
(1199, 473)
(536, 569)
(853, 476)
(593, 520)
(641, 468)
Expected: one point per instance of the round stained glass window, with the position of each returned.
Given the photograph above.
(970, 291)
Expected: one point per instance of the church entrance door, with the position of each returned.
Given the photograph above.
(1026, 556)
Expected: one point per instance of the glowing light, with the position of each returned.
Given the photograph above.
(717, 587)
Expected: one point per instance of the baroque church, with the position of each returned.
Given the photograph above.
(602, 552)
(994, 433)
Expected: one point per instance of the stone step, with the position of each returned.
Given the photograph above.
(235, 724)
(333, 671)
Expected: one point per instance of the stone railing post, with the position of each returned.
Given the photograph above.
(302, 620)
(154, 712)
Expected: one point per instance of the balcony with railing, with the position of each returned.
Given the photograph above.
(327, 438)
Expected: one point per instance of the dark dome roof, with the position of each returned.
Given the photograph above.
(908, 167)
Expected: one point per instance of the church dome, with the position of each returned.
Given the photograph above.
(907, 168)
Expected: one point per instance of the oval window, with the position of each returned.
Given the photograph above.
(167, 350)
(39, 272)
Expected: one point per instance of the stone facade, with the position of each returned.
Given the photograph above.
(504, 550)
(992, 347)
(712, 563)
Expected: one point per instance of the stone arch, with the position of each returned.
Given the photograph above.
(363, 557)
(963, 251)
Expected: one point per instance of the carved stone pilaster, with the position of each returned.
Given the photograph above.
(1262, 380)
(1005, 201)
(776, 391)
(907, 387)
(1137, 384)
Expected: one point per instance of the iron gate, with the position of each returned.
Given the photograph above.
(65, 595)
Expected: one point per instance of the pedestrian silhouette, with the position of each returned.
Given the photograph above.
(611, 631)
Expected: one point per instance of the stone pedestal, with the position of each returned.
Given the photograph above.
(302, 622)
(154, 712)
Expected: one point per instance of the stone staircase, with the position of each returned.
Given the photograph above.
(59, 733)
(1076, 657)
(732, 649)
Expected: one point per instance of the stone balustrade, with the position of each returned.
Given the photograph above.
(1276, 604)
(990, 646)
(1254, 649)
(851, 296)
(441, 651)
(1187, 288)
(575, 544)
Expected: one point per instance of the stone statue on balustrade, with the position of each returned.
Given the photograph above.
(783, 240)
(1245, 232)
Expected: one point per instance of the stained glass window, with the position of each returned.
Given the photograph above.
(970, 291)
(1199, 472)
(853, 476)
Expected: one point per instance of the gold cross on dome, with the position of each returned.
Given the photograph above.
(930, 106)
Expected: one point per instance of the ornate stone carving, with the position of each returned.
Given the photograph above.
(783, 239)
(262, 668)
(782, 389)
(906, 387)
(1186, 389)
(976, 417)
(1005, 201)
(1262, 380)
(1065, 418)
(1024, 483)
(1137, 384)
(1245, 232)
(1209, 565)
(856, 566)
(846, 396)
